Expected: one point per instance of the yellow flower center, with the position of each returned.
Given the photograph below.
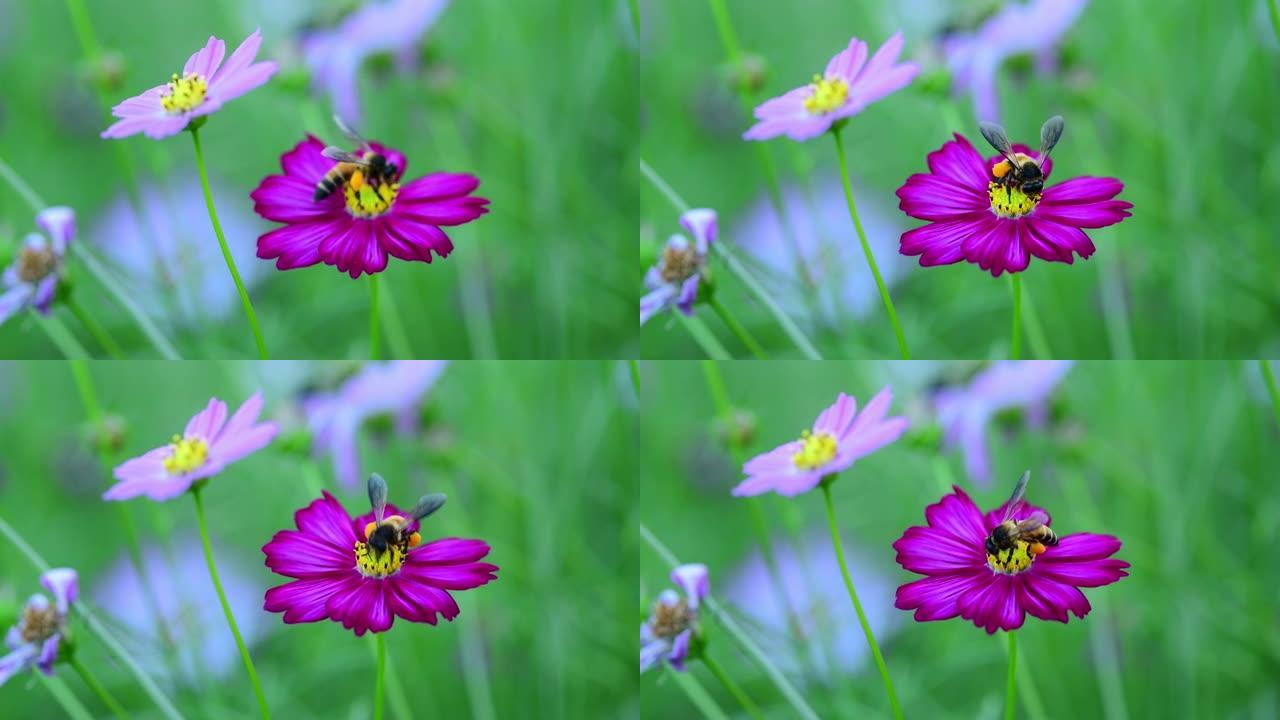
(185, 93)
(1010, 202)
(374, 564)
(366, 200)
(818, 450)
(35, 264)
(188, 454)
(828, 95)
(1012, 561)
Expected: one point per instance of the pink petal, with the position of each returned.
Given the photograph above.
(934, 598)
(957, 160)
(305, 600)
(297, 245)
(872, 414)
(418, 602)
(847, 62)
(232, 86)
(835, 419)
(205, 60)
(241, 58)
(957, 515)
(934, 197)
(883, 61)
(929, 552)
(206, 423)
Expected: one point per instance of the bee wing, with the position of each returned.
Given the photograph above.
(1034, 522)
(998, 139)
(427, 504)
(1050, 133)
(1016, 502)
(340, 155)
(351, 134)
(378, 496)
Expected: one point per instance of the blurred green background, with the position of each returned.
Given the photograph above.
(1178, 105)
(545, 125)
(1176, 459)
(535, 458)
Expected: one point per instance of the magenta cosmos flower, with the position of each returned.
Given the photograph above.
(849, 84)
(42, 627)
(203, 87)
(355, 229)
(208, 444)
(353, 571)
(839, 436)
(672, 631)
(993, 592)
(974, 218)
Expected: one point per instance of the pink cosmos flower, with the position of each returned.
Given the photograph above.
(210, 443)
(203, 87)
(39, 632)
(355, 228)
(849, 84)
(993, 592)
(341, 576)
(973, 218)
(839, 436)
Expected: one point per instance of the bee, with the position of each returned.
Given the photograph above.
(1019, 171)
(392, 531)
(1032, 530)
(357, 169)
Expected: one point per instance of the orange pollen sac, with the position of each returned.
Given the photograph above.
(1001, 169)
(1036, 548)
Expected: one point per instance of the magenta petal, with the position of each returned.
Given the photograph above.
(437, 186)
(454, 211)
(1081, 546)
(305, 600)
(929, 552)
(418, 602)
(1037, 604)
(1064, 239)
(1089, 573)
(449, 551)
(305, 555)
(942, 243)
(1085, 189)
(290, 199)
(988, 250)
(933, 197)
(958, 515)
(361, 605)
(305, 161)
(958, 161)
(994, 607)
(326, 519)
(934, 598)
(1058, 595)
(1089, 215)
(453, 577)
(410, 240)
(296, 246)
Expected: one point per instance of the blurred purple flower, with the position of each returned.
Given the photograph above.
(681, 268)
(335, 418)
(38, 635)
(974, 58)
(209, 444)
(965, 411)
(672, 626)
(32, 279)
(334, 56)
(203, 87)
(830, 639)
(819, 223)
(189, 620)
(175, 266)
(848, 85)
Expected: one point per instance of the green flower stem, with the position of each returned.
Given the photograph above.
(731, 626)
(96, 330)
(380, 679)
(698, 695)
(857, 606)
(729, 40)
(67, 699)
(396, 336)
(703, 336)
(226, 607)
(96, 627)
(866, 248)
(736, 328)
(1011, 692)
(1274, 7)
(736, 267)
(114, 705)
(60, 336)
(634, 6)
(162, 345)
(634, 368)
(226, 251)
(1035, 333)
(1015, 332)
(373, 317)
(1269, 377)
(731, 686)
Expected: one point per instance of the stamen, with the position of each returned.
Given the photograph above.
(828, 95)
(188, 454)
(1014, 560)
(373, 564)
(370, 200)
(35, 264)
(670, 620)
(185, 93)
(1009, 202)
(678, 262)
(39, 623)
(818, 450)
